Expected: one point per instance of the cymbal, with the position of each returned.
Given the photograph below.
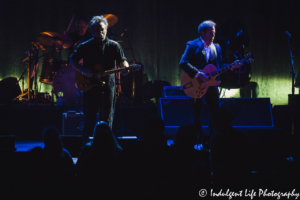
(60, 41)
(111, 19)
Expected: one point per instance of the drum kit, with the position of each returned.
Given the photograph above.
(55, 72)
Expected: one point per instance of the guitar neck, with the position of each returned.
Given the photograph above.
(112, 71)
(220, 71)
(224, 69)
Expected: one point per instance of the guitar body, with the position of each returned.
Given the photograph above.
(84, 83)
(193, 88)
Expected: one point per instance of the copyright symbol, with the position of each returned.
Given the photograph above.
(202, 193)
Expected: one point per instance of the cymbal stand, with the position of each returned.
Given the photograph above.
(28, 69)
(293, 84)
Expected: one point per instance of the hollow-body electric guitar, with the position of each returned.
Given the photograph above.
(197, 89)
(84, 83)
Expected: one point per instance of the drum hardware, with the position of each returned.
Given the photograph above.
(57, 40)
(32, 57)
(66, 32)
(64, 82)
(134, 61)
(49, 68)
(111, 19)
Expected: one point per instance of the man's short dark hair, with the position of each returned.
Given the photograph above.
(97, 20)
(205, 25)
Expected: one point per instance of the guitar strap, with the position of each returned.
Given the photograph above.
(213, 53)
(217, 59)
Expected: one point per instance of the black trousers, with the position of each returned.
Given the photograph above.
(92, 103)
(213, 101)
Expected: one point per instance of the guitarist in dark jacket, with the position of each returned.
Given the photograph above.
(98, 50)
(199, 53)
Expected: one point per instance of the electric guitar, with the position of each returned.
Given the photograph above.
(196, 89)
(84, 83)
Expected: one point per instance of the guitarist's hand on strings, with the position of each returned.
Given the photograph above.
(201, 77)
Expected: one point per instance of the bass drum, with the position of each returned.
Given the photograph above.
(64, 85)
(49, 68)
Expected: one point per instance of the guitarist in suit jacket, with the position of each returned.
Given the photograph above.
(199, 53)
(107, 53)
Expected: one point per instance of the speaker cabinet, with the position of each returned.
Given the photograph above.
(175, 112)
(248, 112)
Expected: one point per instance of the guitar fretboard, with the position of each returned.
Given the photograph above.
(218, 72)
(227, 67)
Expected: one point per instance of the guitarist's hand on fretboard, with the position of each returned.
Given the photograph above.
(236, 64)
(124, 64)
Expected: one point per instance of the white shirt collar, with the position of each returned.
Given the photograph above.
(205, 43)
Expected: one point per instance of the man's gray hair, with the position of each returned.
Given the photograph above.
(205, 25)
(97, 20)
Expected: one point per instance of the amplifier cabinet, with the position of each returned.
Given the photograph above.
(173, 92)
(248, 112)
(73, 122)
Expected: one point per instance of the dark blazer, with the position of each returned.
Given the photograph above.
(194, 57)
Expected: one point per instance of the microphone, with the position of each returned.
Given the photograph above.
(288, 34)
(124, 31)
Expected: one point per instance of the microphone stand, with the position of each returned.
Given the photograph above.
(293, 84)
(133, 81)
(102, 85)
(123, 131)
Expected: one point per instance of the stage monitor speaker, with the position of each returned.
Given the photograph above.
(283, 118)
(72, 123)
(175, 111)
(73, 143)
(248, 112)
(296, 99)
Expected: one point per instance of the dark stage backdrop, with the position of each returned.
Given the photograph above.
(158, 31)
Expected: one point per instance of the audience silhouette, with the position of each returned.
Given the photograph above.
(150, 163)
(97, 164)
(148, 169)
(230, 152)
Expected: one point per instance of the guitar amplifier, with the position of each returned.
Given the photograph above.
(175, 111)
(72, 123)
(248, 112)
(173, 92)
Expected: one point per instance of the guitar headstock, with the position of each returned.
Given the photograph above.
(134, 67)
(248, 58)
